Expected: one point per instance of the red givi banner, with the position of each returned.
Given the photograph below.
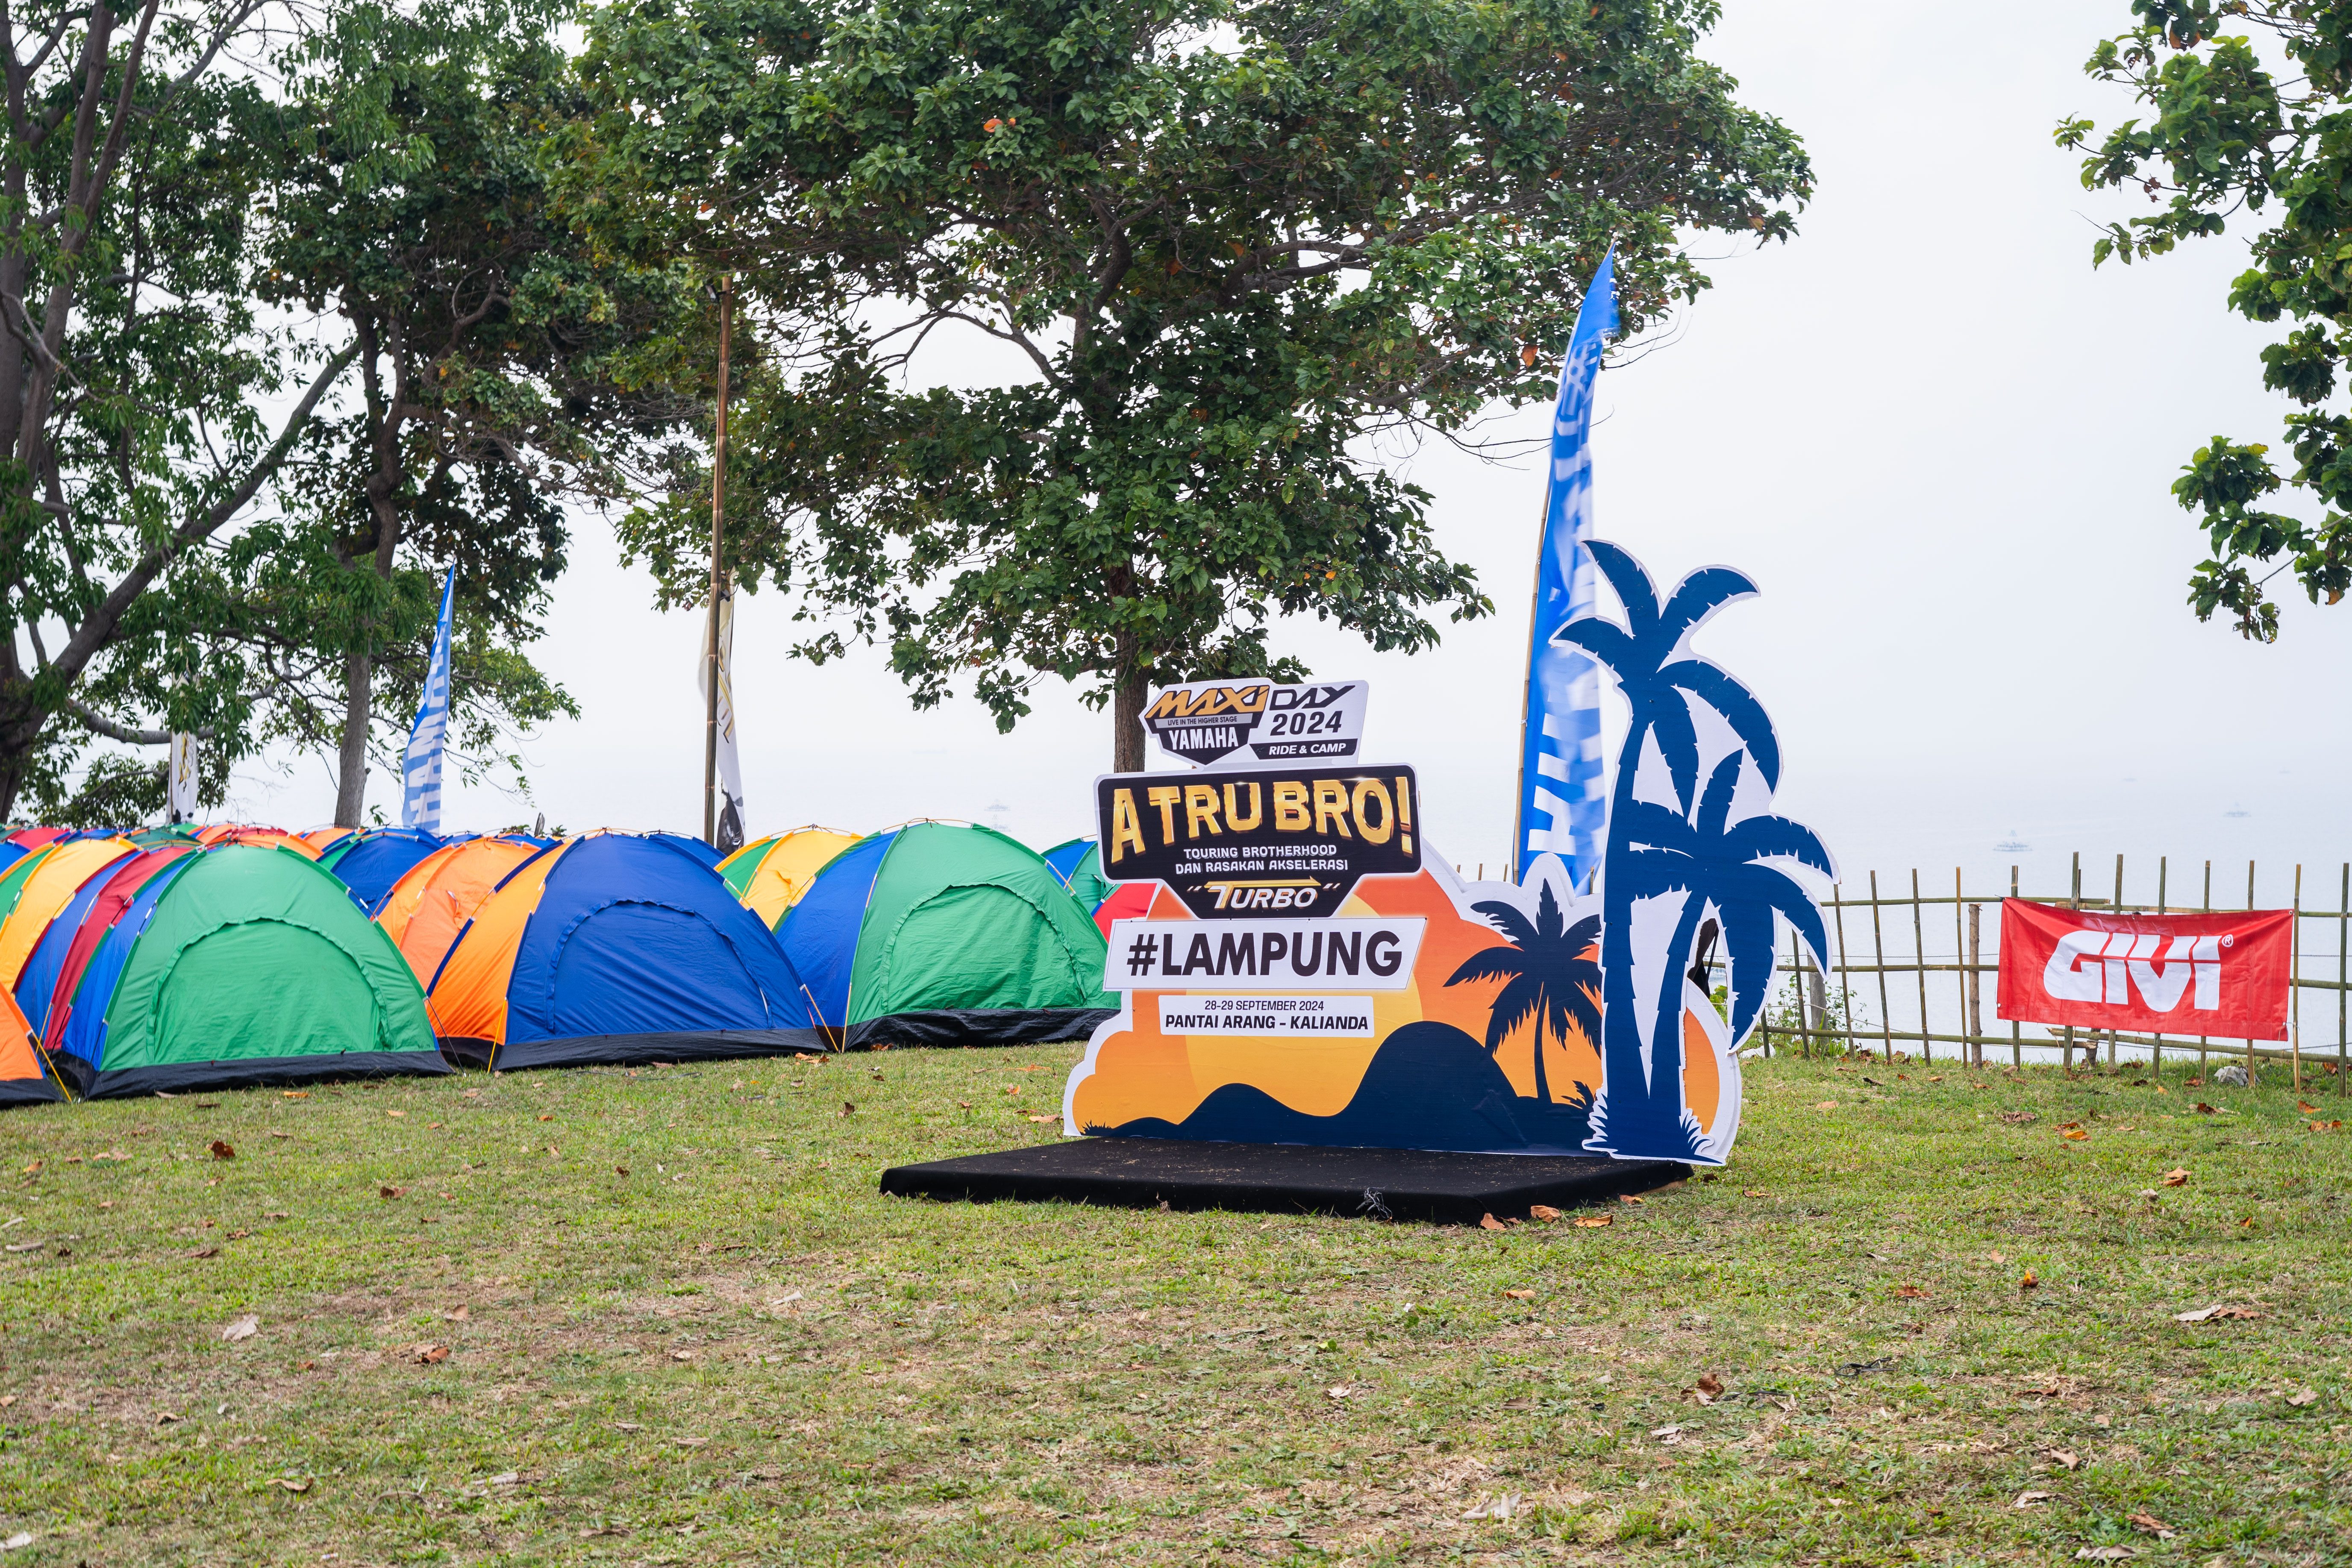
(2224, 976)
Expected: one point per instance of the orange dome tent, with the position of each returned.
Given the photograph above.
(431, 903)
(24, 1075)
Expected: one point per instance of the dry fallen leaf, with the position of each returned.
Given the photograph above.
(1520, 1295)
(2302, 1396)
(245, 1327)
(1629, 1197)
(1543, 1213)
(1595, 1222)
(2032, 1499)
(294, 1094)
(847, 1109)
(2202, 1108)
(396, 1113)
(2147, 1524)
(1826, 1105)
(2103, 1554)
(2205, 1314)
(2176, 1178)
(1708, 1388)
(620, 1170)
(2029, 1283)
(431, 1354)
(681, 1355)
(221, 1150)
(389, 1191)
(291, 1484)
(2018, 1118)
(1488, 1222)
(462, 1314)
(205, 1252)
(2306, 1107)
(1338, 1391)
(1044, 1118)
(1751, 1192)
(2066, 1459)
(1910, 1292)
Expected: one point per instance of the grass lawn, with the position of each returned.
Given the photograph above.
(479, 1340)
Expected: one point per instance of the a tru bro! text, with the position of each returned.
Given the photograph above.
(1258, 842)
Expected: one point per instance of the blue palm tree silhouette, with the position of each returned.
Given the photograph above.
(1550, 979)
(1657, 852)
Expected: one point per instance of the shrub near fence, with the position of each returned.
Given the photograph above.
(1886, 948)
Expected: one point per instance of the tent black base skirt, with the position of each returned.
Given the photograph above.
(1286, 1178)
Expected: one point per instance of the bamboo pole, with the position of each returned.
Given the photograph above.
(2074, 901)
(718, 514)
(2119, 909)
(1975, 991)
(1961, 951)
(2207, 909)
(2016, 1038)
(2294, 977)
(1878, 957)
(2251, 1068)
(1919, 951)
(2156, 1043)
(1845, 992)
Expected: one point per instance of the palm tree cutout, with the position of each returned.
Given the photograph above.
(1688, 848)
(1551, 980)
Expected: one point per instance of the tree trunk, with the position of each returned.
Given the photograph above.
(358, 698)
(383, 509)
(1127, 720)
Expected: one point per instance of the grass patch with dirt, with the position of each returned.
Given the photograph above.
(664, 1316)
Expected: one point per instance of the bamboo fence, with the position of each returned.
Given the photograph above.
(1949, 1013)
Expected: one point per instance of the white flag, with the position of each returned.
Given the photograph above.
(729, 836)
(180, 779)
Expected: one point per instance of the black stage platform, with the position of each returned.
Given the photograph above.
(1286, 1179)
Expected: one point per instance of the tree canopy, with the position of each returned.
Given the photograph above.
(1229, 243)
(2248, 115)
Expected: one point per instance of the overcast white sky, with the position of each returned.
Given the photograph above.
(1939, 442)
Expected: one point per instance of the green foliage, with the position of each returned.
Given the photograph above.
(2225, 131)
(1233, 244)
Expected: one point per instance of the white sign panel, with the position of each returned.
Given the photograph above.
(1288, 1017)
(1375, 954)
(1215, 724)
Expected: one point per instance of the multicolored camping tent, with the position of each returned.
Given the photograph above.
(428, 907)
(615, 947)
(944, 934)
(324, 839)
(59, 958)
(368, 862)
(769, 875)
(36, 837)
(24, 1076)
(48, 883)
(1078, 863)
(236, 966)
(249, 833)
(701, 851)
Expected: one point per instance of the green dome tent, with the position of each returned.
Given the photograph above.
(943, 934)
(235, 966)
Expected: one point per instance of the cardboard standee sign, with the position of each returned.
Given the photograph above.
(1217, 724)
(1492, 1016)
(1270, 842)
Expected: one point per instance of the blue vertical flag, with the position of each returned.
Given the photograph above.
(420, 800)
(1563, 805)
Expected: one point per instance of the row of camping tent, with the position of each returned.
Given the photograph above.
(180, 959)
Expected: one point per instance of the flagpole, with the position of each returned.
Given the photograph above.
(717, 511)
